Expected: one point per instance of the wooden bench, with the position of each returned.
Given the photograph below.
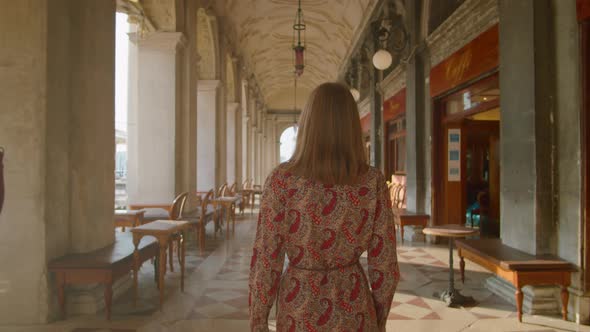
(103, 266)
(517, 267)
(403, 217)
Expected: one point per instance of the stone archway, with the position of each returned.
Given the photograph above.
(287, 140)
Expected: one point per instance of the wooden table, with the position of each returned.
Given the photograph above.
(227, 203)
(163, 231)
(452, 296)
(403, 217)
(128, 218)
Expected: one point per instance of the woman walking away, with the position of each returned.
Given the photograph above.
(323, 209)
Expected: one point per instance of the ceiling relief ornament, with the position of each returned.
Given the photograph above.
(206, 46)
(264, 36)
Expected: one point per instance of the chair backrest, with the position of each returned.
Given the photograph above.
(232, 190)
(401, 197)
(178, 206)
(205, 202)
(221, 190)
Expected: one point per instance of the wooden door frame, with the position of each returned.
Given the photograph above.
(438, 157)
(585, 133)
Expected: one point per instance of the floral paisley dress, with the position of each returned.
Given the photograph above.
(323, 230)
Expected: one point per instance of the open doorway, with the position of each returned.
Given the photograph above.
(466, 152)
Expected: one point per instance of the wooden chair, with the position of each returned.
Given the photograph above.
(175, 213)
(246, 193)
(201, 213)
(221, 190)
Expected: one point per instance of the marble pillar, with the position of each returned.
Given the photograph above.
(207, 134)
(152, 154)
(232, 111)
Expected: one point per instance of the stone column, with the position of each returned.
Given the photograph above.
(232, 110)
(57, 128)
(376, 118)
(152, 173)
(526, 85)
(207, 134)
(415, 117)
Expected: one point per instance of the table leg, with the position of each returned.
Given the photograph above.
(171, 255)
(136, 239)
(182, 249)
(233, 218)
(61, 294)
(215, 221)
(565, 295)
(452, 296)
(202, 236)
(162, 268)
(227, 216)
(462, 266)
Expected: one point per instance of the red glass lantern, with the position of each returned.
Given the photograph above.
(299, 41)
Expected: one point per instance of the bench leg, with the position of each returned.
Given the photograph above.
(61, 295)
(462, 266)
(565, 295)
(519, 297)
(108, 297)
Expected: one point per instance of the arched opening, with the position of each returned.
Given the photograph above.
(287, 143)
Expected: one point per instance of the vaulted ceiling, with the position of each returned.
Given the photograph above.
(263, 33)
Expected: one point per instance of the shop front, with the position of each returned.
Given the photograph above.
(466, 136)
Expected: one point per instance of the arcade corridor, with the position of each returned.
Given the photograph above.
(124, 121)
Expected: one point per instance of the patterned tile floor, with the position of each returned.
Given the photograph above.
(216, 296)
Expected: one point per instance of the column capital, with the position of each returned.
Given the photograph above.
(161, 41)
(208, 85)
(233, 107)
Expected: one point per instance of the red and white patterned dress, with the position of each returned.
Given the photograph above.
(323, 230)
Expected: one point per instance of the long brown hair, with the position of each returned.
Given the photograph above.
(329, 141)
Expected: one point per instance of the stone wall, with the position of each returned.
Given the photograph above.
(471, 19)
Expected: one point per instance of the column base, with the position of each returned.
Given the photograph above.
(84, 300)
(578, 310)
(538, 300)
(413, 234)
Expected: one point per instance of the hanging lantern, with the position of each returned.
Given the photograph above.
(299, 41)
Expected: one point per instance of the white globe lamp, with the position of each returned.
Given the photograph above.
(382, 59)
(355, 94)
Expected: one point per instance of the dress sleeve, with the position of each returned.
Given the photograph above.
(382, 256)
(268, 254)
